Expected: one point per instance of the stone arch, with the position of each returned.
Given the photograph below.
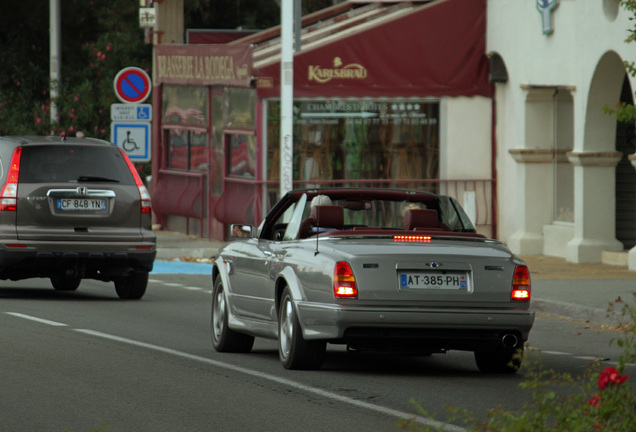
(498, 72)
(594, 159)
(605, 89)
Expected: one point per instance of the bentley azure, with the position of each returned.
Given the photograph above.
(375, 270)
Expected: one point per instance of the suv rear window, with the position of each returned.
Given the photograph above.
(72, 163)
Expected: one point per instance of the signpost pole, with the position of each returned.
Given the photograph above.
(286, 97)
(55, 55)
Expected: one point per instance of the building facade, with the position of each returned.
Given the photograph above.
(499, 103)
(566, 184)
(386, 94)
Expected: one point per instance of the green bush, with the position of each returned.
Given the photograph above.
(599, 399)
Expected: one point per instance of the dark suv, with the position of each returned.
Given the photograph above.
(74, 208)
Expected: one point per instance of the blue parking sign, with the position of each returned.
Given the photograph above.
(133, 138)
(143, 112)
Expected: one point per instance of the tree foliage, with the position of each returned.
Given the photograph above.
(245, 14)
(99, 38)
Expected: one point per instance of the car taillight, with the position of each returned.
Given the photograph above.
(521, 284)
(143, 192)
(344, 283)
(9, 193)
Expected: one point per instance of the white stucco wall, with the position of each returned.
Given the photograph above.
(466, 154)
(465, 135)
(584, 33)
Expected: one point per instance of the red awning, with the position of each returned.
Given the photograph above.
(398, 49)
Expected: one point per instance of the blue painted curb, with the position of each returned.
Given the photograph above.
(163, 267)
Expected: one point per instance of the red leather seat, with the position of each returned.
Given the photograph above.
(328, 216)
(421, 219)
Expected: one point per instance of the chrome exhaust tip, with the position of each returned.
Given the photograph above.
(509, 340)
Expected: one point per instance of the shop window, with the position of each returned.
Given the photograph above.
(240, 108)
(177, 146)
(241, 151)
(187, 150)
(185, 105)
(185, 120)
(199, 151)
(359, 140)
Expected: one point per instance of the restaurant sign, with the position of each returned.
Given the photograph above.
(220, 64)
(339, 70)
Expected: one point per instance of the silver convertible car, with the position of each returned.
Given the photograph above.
(374, 269)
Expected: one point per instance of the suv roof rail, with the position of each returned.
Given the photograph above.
(18, 140)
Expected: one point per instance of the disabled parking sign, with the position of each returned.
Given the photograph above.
(134, 138)
(132, 85)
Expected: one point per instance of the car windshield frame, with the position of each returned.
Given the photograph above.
(387, 207)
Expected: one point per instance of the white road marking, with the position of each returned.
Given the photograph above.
(279, 380)
(40, 320)
(323, 393)
(554, 352)
(179, 285)
(189, 288)
(329, 395)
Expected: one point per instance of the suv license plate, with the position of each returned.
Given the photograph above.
(433, 280)
(74, 204)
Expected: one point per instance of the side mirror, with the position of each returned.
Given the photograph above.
(241, 231)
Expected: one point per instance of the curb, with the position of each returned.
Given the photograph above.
(574, 311)
(173, 253)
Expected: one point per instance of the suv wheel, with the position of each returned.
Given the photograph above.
(65, 283)
(132, 287)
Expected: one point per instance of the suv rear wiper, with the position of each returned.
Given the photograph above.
(85, 178)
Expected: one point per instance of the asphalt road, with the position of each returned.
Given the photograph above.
(85, 361)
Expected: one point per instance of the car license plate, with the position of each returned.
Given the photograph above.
(87, 204)
(434, 280)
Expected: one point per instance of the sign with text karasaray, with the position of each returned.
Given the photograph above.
(220, 64)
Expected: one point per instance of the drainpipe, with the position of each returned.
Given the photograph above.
(493, 164)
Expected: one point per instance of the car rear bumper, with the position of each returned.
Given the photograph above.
(87, 260)
(467, 329)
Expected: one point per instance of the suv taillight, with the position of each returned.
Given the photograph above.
(521, 284)
(143, 192)
(9, 193)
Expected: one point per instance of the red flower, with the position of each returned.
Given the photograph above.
(610, 376)
(595, 401)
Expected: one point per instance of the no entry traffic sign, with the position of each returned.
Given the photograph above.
(132, 85)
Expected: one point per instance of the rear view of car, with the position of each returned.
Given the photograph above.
(375, 269)
(73, 209)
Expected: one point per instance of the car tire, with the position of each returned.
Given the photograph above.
(225, 339)
(132, 287)
(294, 351)
(65, 283)
(499, 360)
